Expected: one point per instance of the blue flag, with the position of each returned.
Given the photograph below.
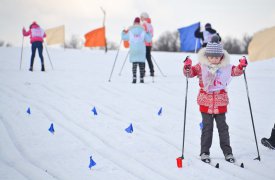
(160, 111)
(187, 38)
(51, 129)
(29, 111)
(94, 111)
(92, 162)
(129, 129)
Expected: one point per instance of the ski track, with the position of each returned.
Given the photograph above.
(74, 134)
(14, 168)
(113, 117)
(104, 142)
(21, 151)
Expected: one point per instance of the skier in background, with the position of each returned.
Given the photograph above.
(36, 37)
(137, 36)
(207, 34)
(146, 23)
(214, 72)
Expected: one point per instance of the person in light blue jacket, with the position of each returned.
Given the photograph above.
(137, 36)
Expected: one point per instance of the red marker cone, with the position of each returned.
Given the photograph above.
(179, 162)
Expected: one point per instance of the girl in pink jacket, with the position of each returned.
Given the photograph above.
(36, 37)
(214, 72)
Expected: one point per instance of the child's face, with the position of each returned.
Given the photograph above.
(214, 60)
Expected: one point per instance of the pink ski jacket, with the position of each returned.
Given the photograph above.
(35, 32)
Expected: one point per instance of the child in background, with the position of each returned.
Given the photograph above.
(36, 36)
(214, 72)
(137, 36)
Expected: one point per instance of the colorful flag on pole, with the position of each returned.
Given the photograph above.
(95, 38)
(188, 41)
(262, 45)
(55, 35)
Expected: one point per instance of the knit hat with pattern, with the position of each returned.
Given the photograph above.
(214, 47)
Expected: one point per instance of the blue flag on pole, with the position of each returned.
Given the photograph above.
(129, 129)
(160, 111)
(188, 41)
(92, 162)
(94, 111)
(51, 129)
(29, 111)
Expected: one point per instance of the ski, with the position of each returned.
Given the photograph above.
(217, 165)
(241, 165)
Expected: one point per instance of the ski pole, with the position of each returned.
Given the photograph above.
(257, 158)
(115, 61)
(48, 56)
(184, 123)
(21, 53)
(123, 64)
(158, 66)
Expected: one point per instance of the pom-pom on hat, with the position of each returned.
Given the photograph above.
(137, 20)
(144, 15)
(214, 47)
(207, 26)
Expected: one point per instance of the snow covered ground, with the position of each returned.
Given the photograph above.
(66, 95)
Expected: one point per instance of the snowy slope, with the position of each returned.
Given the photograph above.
(66, 95)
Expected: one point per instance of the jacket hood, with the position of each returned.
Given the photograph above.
(204, 61)
(136, 26)
(34, 25)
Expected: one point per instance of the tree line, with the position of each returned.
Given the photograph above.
(168, 41)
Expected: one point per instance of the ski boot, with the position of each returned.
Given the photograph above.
(270, 143)
(230, 158)
(205, 157)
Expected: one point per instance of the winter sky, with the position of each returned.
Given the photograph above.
(230, 18)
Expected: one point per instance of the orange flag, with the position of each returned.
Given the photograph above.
(95, 38)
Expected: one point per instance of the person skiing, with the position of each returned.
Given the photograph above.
(137, 36)
(214, 72)
(36, 38)
(270, 143)
(146, 23)
(207, 34)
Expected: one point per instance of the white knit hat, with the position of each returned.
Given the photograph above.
(144, 15)
(214, 47)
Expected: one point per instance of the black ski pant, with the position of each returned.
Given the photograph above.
(37, 45)
(207, 133)
(149, 58)
(141, 69)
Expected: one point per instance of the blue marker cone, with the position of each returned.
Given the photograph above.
(201, 125)
(92, 163)
(29, 111)
(51, 129)
(94, 111)
(129, 129)
(160, 111)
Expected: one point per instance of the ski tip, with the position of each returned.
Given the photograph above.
(242, 166)
(217, 165)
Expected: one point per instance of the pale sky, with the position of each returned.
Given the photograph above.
(232, 18)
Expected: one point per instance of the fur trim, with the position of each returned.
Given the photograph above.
(204, 61)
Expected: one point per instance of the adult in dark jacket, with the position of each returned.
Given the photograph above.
(207, 34)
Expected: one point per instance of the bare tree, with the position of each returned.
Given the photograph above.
(246, 40)
(232, 45)
(2, 43)
(8, 45)
(75, 42)
(168, 41)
